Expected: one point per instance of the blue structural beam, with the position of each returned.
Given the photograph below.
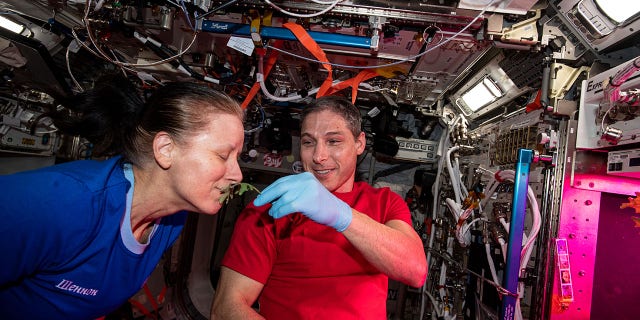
(285, 34)
(516, 229)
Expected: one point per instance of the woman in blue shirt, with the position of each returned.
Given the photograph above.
(78, 239)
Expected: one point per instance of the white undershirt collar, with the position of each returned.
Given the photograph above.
(126, 233)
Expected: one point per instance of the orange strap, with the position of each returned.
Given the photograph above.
(354, 83)
(267, 68)
(152, 301)
(163, 292)
(142, 309)
(317, 52)
(327, 86)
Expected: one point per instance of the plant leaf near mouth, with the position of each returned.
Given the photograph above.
(235, 189)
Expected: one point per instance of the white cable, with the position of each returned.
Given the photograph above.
(186, 15)
(454, 179)
(98, 5)
(503, 247)
(106, 57)
(444, 143)
(604, 117)
(505, 224)
(409, 59)
(463, 188)
(535, 228)
(436, 307)
(612, 90)
(465, 228)
(443, 271)
(462, 232)
(527, 248)
(454, 208)
(75, 82)
(324, 2)
(492, 267)
(311, 15)
(490, 190)
(365, 87)
(260, 79)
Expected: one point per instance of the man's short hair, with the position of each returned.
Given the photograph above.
(339, 105)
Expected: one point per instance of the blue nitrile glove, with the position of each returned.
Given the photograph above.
(305, 194)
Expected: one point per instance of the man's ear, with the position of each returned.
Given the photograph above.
(361, 143)
(163, 147)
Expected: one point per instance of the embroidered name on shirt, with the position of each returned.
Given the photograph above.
(69, 286)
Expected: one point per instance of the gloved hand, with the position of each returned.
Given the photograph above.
(304, 193)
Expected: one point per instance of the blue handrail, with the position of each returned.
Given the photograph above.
(516, 229)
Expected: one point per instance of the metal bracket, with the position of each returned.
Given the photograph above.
(375, 23)
(524, 32)
(562, 77)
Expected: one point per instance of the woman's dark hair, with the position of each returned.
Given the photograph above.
(117, 120)
(339, 105)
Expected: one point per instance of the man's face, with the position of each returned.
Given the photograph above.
(329, 150)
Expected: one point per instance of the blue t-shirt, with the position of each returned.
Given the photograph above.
(66, 243)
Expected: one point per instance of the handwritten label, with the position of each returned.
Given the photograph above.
(272, 160)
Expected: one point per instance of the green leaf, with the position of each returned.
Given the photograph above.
(244, 187)
(236, 189)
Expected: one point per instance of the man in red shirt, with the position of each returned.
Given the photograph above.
(318, 245)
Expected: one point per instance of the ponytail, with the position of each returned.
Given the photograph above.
(105, 115)
(117, 120)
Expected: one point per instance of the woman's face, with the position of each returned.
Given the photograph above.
(207, 163)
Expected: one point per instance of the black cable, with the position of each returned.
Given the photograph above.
(220, 7)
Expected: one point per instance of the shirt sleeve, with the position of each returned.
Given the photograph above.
(397, 208)
(252, 249)
(38, 222)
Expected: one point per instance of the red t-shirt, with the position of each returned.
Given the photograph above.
(311, 271)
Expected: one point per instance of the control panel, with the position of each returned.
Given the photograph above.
(416, 149)
(624, 163)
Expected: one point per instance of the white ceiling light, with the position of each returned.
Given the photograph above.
(619, 10)
(10, 25)
(483, 93)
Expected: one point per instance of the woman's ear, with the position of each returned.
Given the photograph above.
(163, 147)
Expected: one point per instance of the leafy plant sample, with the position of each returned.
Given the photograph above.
(236, 189)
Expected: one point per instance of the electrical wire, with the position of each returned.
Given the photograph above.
(186, 15)
(369, 88)
(443, 145)
(455, 182)
(260, 76)
(260, 79)
(262, 117)
(324, 2)
(311, 15)
(456, 169)
(612, 90)
(436, 307)
(604, 117)
(75, 82)
(220, 7)
(527, 248)
(409, 59)
(492, 266)
(100, 53)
